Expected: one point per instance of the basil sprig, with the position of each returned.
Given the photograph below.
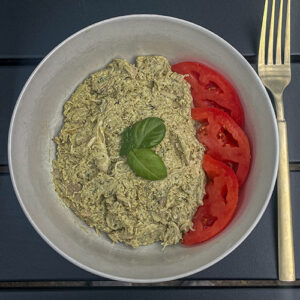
(148, 133)
(147, 164)
(136, 143)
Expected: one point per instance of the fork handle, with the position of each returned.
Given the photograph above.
(285, 229)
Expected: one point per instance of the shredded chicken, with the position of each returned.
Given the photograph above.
(98, 185)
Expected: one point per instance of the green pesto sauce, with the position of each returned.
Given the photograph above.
(97, 184)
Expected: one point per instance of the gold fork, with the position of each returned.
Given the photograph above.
(276, 77)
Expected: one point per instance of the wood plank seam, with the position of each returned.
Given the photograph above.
(176, 283)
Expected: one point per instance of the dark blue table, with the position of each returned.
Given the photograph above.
(29, 268)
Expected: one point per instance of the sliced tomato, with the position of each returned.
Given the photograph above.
(224, 139)
(219, 203)
(211, 89)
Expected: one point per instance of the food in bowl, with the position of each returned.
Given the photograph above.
(107, 174)
(96, 182)
(227, 158)
(220, 112)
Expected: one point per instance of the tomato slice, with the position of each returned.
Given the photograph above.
(211, 89)
(219, 203)
(224, 139)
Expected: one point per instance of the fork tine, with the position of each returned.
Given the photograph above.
(278, 45)
(287, 52)
(271, 36)
(262, 42)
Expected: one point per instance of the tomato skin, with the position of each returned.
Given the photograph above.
(219, 203)
(211, 89)
(224, 139)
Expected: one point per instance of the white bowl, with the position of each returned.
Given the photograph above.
(38, 117)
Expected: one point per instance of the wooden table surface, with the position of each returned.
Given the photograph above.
(29, 268)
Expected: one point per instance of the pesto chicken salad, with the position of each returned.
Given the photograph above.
(128, 162)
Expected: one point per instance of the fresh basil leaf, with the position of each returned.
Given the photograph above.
(135, 143)
(148, 133)
(126, 143)
(146, 164)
